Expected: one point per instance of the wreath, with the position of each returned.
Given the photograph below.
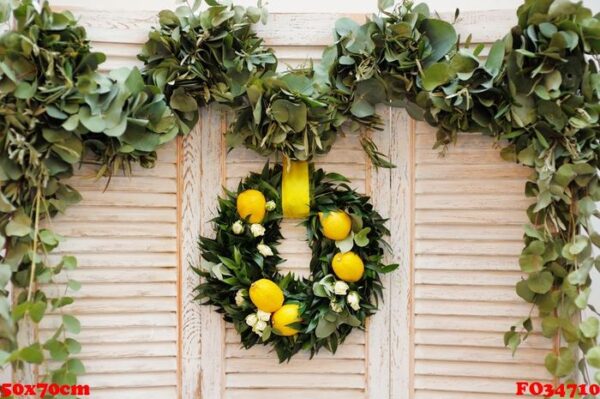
(285, 311)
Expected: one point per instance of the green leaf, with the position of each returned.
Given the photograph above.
(582, 298)
(73, 346)
(442, 38)
(495, 58)
(524, 292)
(5, 11)
(5, 205)
(346, 244)
(19, 225)
(75, 366)
(593, 356)
(69, 262)
(523, 111)
(37, 311)
(325, 328)
(135, 82)
(512, 340)
(32, 354)
(437, 75)
(589, 327)
(94, 123)
(24, 91)
(71, 324)
(182, 101)
(361, 238)
(531, 263)
(344, 26)
(5, 274)
(562, 364)
(550, 326)
(540, 283)
(74, 285)
(362, 108)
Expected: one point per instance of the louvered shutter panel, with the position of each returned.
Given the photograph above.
(125, 237)
(469, 212)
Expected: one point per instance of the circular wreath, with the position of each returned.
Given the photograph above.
(243, 253)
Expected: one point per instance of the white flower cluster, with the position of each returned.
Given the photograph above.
(270, 206)
(238, 227)
(257, 230)
(240, 297)
(264, 249)
(333, 288)
(353, 299)
(258, 321)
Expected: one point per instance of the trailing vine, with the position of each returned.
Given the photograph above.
(538, 91)
(55, 109)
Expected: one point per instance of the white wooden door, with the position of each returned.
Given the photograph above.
(456, 232)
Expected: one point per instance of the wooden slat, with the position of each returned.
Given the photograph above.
(274, 393)
(212, 343)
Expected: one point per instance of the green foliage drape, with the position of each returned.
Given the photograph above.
(538, 90)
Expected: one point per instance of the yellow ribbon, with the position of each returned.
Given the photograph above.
(295, 189)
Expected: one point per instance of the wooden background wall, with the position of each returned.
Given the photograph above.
(456, 231)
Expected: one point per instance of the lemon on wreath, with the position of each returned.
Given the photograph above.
(251, 203)
(348, 266)
(288, 314)
(336, 225)
(266, 295)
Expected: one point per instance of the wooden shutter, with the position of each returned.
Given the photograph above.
(126, 241)
(469, 212)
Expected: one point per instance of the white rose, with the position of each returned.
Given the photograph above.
(257, 230)
(252, 319)
(259, 327)
(270, 206)
(240, 297)
(340, 288)
(336, 306)
(238, 227)
(264, 250)
(263, 316)
(353, 300)
(327, 283)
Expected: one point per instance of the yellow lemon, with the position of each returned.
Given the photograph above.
(251, 203)
(288, 314)
(266, 295)
(336, 225)
(348, 266)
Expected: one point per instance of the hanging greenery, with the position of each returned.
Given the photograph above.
(538, 90)
(55, 108)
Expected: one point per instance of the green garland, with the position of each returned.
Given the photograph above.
(538, 89)
(55, 109)
(329, 308)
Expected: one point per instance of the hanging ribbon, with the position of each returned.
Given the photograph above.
(295, 189)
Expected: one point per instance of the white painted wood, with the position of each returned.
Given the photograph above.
(212, 166)
(466, 242)
(190, 320)
(401, 223)
(379, 350)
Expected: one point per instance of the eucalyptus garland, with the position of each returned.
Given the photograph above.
(538, 90)
(55, 107)
(243, 253)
